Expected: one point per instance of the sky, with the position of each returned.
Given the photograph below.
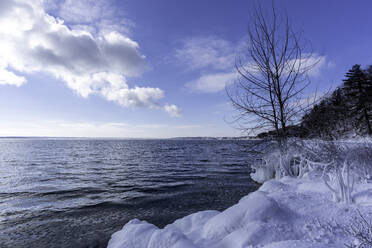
(150, 69)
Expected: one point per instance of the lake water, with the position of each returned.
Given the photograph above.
(77, 192)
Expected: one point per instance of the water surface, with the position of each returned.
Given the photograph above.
(77, 192)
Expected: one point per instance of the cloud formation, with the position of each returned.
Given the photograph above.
(90, 63)
(214, 59)
(92, 15)
(173, 110)
(213, 82)
(206, 52)
(8, 77)
(85, 11)
(319, 62)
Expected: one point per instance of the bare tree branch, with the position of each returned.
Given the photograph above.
(273, 74)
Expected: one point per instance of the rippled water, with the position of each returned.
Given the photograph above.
(76, 193)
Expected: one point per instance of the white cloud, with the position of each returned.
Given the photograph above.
(206, 52)
(8, 77)
(316, 63)
(33, 41)
(214, 59)
(211, 83)
(83, 11)
(213, 56)
(189, 127)
(313, 64)
(101, 15)
(173, 110)
(216, 81)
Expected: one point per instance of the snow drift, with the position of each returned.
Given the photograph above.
(283, 213)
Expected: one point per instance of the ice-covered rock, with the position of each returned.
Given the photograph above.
(142, 234)
(262, 174)
(127, 236)
(255, 206)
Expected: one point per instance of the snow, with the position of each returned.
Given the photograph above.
(285, 213)
(363, 195)
(262, 174)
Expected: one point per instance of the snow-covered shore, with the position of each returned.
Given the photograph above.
(285, 213)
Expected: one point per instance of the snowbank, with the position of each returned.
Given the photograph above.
(282, 214)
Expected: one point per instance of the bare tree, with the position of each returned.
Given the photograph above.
(272, 76)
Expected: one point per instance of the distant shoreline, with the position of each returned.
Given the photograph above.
(124, 138)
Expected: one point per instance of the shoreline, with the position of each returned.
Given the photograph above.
(281, 213)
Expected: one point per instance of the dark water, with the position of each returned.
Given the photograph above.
(76, 193)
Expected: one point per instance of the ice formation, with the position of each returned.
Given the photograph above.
(285, 213)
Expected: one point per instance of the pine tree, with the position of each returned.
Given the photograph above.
(339, 113)
(357, 87)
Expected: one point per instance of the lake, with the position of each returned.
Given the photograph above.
(78, 192)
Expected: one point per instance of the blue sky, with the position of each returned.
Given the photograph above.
(106, 68)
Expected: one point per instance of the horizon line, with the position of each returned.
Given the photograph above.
(108, 137)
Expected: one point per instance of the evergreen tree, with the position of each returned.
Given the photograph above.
(328, 119)
(342, 123)
(357, 88)
(346, 111)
